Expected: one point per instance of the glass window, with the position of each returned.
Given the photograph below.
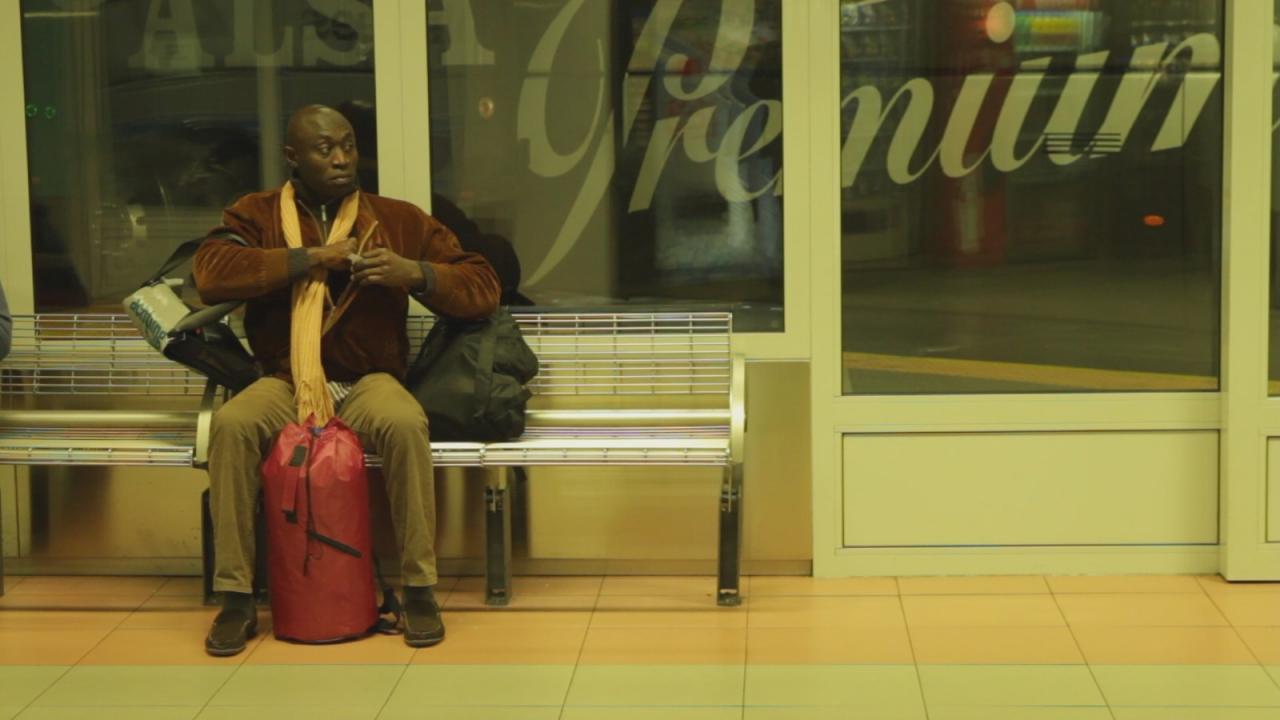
(1031, 195)
(1274, 354)
(630, 151)
(146, 117)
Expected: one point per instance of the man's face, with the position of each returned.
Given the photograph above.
(323, 154)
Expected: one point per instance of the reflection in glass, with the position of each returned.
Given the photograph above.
(144, 119)
(1031, 195)
(630, 151)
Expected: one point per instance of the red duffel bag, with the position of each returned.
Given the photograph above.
(319, 543)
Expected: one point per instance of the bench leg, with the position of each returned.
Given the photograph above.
(727, 592)
(206, 548)
(497, 528)
(1, 551)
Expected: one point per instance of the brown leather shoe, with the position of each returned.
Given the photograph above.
(233, 627)
(423, 626)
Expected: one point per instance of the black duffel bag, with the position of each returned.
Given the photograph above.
(470, 378)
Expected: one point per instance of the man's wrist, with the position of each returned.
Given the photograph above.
(427, 284)
(301, 260)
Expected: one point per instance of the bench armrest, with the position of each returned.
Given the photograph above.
(204, 426)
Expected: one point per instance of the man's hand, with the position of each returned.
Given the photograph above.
(384, 267)
(333, 257)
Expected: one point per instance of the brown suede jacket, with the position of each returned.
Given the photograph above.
(370, 336)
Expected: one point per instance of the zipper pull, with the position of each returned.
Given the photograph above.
(323, 217)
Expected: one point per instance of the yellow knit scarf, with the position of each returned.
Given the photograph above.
(309, 293)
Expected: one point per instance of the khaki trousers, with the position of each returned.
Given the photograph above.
(387, 419)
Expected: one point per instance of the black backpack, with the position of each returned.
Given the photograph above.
(470, 378)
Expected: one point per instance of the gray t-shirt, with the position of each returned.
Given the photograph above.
(6, 325)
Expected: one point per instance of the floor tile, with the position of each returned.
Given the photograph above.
(48, 646)
(982, 611)
(1193, 713)
(652, 713)
(474, 600)
(882, 686)
(517, 618)
(497, 645)
(1181, 685)
(8, 712)
(1009, 685)
(995, 646)
(471, 685)
(309, 685)
(54, 619)
(1215, 584)
(64, 601)
(111, 713)
(971, 712)
(1274, 671)
(829, 646)
(540, 585)
(637, 685)
(1163, 645)
(301, 712)
(157, 646)
(1251, 609)
(373, 650)
(182, 587)
(1264, 642)
(473, 712)
(1077, 584)
(833, 713)
(697, 585)
(127, 686)
(176, 611)
(666, 611)
(1136, 609)
(658, 646)
(90, 585)
(765, 586)
(979, 585)
(825, 612)
(23, 683)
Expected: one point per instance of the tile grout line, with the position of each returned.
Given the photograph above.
(911, 645)
(396, 685)
(1080, 648)
(582, 647)
(1236, 631)
(86, 653)
(47, 688)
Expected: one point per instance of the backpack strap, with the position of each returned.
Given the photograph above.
(390, 605)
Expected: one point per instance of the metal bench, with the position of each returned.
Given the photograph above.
(640, 389)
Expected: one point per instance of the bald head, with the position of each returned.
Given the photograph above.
(321, 149)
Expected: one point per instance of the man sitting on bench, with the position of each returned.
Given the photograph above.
(364, 353)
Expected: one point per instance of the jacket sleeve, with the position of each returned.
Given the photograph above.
(458, 284)
(225, 269)
(6, 326)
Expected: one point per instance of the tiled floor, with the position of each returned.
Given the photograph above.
(581, 648)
